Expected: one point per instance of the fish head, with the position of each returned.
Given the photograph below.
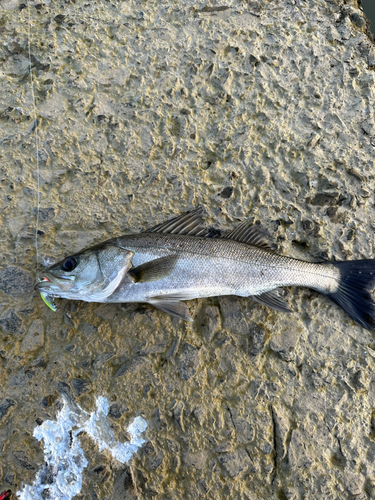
(91, 275)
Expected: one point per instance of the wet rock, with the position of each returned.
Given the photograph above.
(154, 458)
(16, 65)
(253, 60)
(353, 483)
(146, 140)
(223, 447)
(133, 365)
(65, 389)
(15, 225)
(357, 20)
(299, 453)
(281, 428)
(198, 459)
(361, 381)
(233, 318)
(34, 338)
(308, 226)
(52, 107)
(156, 461)
(48, 400)
(178, 415)
(16, 282)
(244, 430)
(68, 319)
(46, 214)
(172, 351)
(11, 323)
(9, 478)
(226, 192)
(199, 413)
(284, 344)
(153, 349)
(102, 359)
(210, 323)
(23, 460)
(323, 199)
(331, 211)
(149, 448)
(80, 386)
(42, 155)
(106, 311)
(116, 410)
(89, 330)
(188, 361)
(5, 405)
(127, 479)
(257, 338)
(235, 462)
(276, 102)
(124, 487)
(172, 445)
(368, 127)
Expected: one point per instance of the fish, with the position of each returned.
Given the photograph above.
(183, 259)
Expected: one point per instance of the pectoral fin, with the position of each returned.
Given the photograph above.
(174, 308)
(272, 299)
(153, 270)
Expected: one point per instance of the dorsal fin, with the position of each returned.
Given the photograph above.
(252, 235)
(189, 223)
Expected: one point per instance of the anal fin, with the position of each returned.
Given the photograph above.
(174, 308)
(272, 299)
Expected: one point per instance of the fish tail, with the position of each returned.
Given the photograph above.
(353, 293)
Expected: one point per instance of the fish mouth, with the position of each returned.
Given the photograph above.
(49, 284)
(43, 285)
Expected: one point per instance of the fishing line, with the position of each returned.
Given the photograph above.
(36, 139)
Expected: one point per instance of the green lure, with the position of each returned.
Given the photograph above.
(48, 300)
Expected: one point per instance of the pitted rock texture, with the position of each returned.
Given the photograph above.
(256, 109)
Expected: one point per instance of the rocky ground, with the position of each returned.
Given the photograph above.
(260, 110)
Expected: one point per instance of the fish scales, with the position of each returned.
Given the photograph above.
(217, 267)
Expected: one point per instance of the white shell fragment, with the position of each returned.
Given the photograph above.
(63, 456)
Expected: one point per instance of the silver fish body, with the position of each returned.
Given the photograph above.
(178, 260)
(208, 267)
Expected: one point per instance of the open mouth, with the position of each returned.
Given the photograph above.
(46, 283)
(43, 284)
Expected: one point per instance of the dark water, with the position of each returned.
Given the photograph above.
(369, 9)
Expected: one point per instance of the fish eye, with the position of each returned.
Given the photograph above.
(69, 264)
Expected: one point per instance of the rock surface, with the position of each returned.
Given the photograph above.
(256, 109)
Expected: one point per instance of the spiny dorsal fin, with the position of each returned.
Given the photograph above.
(272, 299)
(153, 270)
(189, 223)
(252, 235)
(174, 308)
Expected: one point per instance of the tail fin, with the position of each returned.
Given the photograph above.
(357, 281)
